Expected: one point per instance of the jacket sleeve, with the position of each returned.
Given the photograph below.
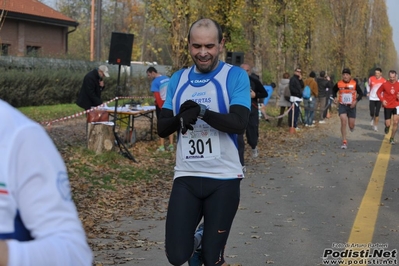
(50, 216)
(234, 122)
(379, 93)
(301, 85)
(158, 99)
(281, 90)
(296, 87)
(335, 90)
(258, 88)
(359, 92)
(368, 85)
(315, 88)
(90, 85)
(167, 123)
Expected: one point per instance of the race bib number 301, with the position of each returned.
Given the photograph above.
(200, 144)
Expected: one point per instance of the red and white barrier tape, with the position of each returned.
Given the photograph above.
(280, 116)
(48, 123)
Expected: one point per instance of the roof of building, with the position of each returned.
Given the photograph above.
(33, 8)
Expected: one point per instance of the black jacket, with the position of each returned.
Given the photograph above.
(260, 91)
(296, 86)
(90, 93)
(323, 86)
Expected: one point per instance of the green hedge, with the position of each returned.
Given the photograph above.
(34, 87)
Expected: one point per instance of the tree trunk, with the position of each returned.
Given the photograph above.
(100, 138)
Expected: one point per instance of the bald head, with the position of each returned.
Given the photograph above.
(247, 68)
(208, 24)
(205, 44)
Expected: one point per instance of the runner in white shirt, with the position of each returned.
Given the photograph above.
(374, 102)
(39, 222)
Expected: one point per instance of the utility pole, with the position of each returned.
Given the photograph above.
(98, 30)
(143, 47)
(93, 9)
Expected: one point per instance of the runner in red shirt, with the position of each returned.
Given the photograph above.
(388, 93)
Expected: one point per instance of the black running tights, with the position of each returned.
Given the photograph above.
(191, 199)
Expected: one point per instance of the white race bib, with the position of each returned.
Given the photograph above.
(200, 144)
(347, 98)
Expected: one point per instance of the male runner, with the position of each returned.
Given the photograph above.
(349, 94)
(388, 94)
(374, 103)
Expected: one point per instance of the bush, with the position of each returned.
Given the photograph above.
(48, 86)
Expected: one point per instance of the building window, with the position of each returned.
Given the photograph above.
(32, 50)
(5, 48)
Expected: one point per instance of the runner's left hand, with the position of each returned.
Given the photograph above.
(188, 105)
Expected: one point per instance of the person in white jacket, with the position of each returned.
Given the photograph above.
(39, 224)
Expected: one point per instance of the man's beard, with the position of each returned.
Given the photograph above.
(206, 69)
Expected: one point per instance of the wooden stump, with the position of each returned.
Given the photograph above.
(100, 138)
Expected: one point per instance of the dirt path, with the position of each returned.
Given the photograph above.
(126, 225)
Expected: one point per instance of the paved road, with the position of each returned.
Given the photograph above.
(294, 207)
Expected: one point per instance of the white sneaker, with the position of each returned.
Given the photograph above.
(312, 125)
(297, 129)
(322, 122)
(306, 125)
(255, 153)
(372, 122)
(375, 128)
(344, 145)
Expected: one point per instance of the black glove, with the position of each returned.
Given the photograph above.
(188, 105)
(188, 118)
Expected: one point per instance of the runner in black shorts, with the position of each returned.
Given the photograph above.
(388, 95)
(346, 109)
(388, 113)
(347, 93)
(374, 102)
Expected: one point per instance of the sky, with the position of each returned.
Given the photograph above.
(393, 14)
(50, 3)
